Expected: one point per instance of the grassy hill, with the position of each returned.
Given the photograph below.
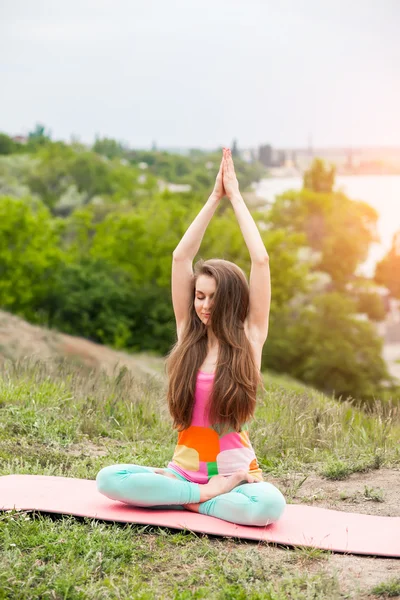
(69, 407)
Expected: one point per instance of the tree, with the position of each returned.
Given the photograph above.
(109, 148)
(29, 254)
(51, 178)
(326, 346)
(319, 338)
(60, 167)
(38, 137)
(319, 178)
(39, 133)
(340, 229)
(90, 174)
(7, 144)
(368, 300)
(387, 271)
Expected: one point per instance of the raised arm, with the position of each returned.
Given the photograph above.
(260, 279)
(246, 222)
(189, 245)
(186, 250)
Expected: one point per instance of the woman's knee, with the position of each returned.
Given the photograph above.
(109, 479)
(268, 506)
(106, 477)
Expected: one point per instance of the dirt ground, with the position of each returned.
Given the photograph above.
(376, 492)
(349, 495)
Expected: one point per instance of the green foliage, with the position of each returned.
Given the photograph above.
(7, 144)
(325, 345)
(13, 169)
(96, 300)
(29, 253)
(60, 168)
(108, 147)
(51, 179)
(90, 174)
(367, 297)
(319, 178)
(387, 271)
(153, 319)
(90, 299)
(340, 229)
(387, 589)
(68, 175)
(198, 169)
(122, 240)
(38, 138)
(39, 133)
(372, 305)
(103, 270)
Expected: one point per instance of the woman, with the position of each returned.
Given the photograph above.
(214, 373)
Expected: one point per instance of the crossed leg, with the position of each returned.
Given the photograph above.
(247, 504)
(258, 503)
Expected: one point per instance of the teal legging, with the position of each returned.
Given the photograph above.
(258, 503)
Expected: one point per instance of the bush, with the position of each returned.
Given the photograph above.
(97, 301)
(326, 346)
(29, 254)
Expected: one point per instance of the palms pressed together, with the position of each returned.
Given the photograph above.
(226, 183)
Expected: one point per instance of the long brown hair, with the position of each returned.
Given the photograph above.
(233, 397)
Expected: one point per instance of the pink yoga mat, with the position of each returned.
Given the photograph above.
(299, 525)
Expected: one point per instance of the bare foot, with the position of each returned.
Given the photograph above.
(220, 484)
(193, 507)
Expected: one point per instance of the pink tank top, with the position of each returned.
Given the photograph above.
(201, 452)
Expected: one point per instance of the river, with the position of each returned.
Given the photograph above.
(380, 191)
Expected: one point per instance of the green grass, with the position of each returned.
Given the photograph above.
(62, 419)
(388, 589)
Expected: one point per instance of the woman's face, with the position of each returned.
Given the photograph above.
(204, 297)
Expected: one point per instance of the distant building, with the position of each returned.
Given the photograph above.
(173, 187)
(265, 155)
(348, 160)
(20, 139)
(281, 158)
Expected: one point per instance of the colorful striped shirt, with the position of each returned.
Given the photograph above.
(201, 452)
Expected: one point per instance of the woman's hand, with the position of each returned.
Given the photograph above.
(230, 181)
(219, 190)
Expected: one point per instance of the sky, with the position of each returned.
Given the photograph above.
(200, 73)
